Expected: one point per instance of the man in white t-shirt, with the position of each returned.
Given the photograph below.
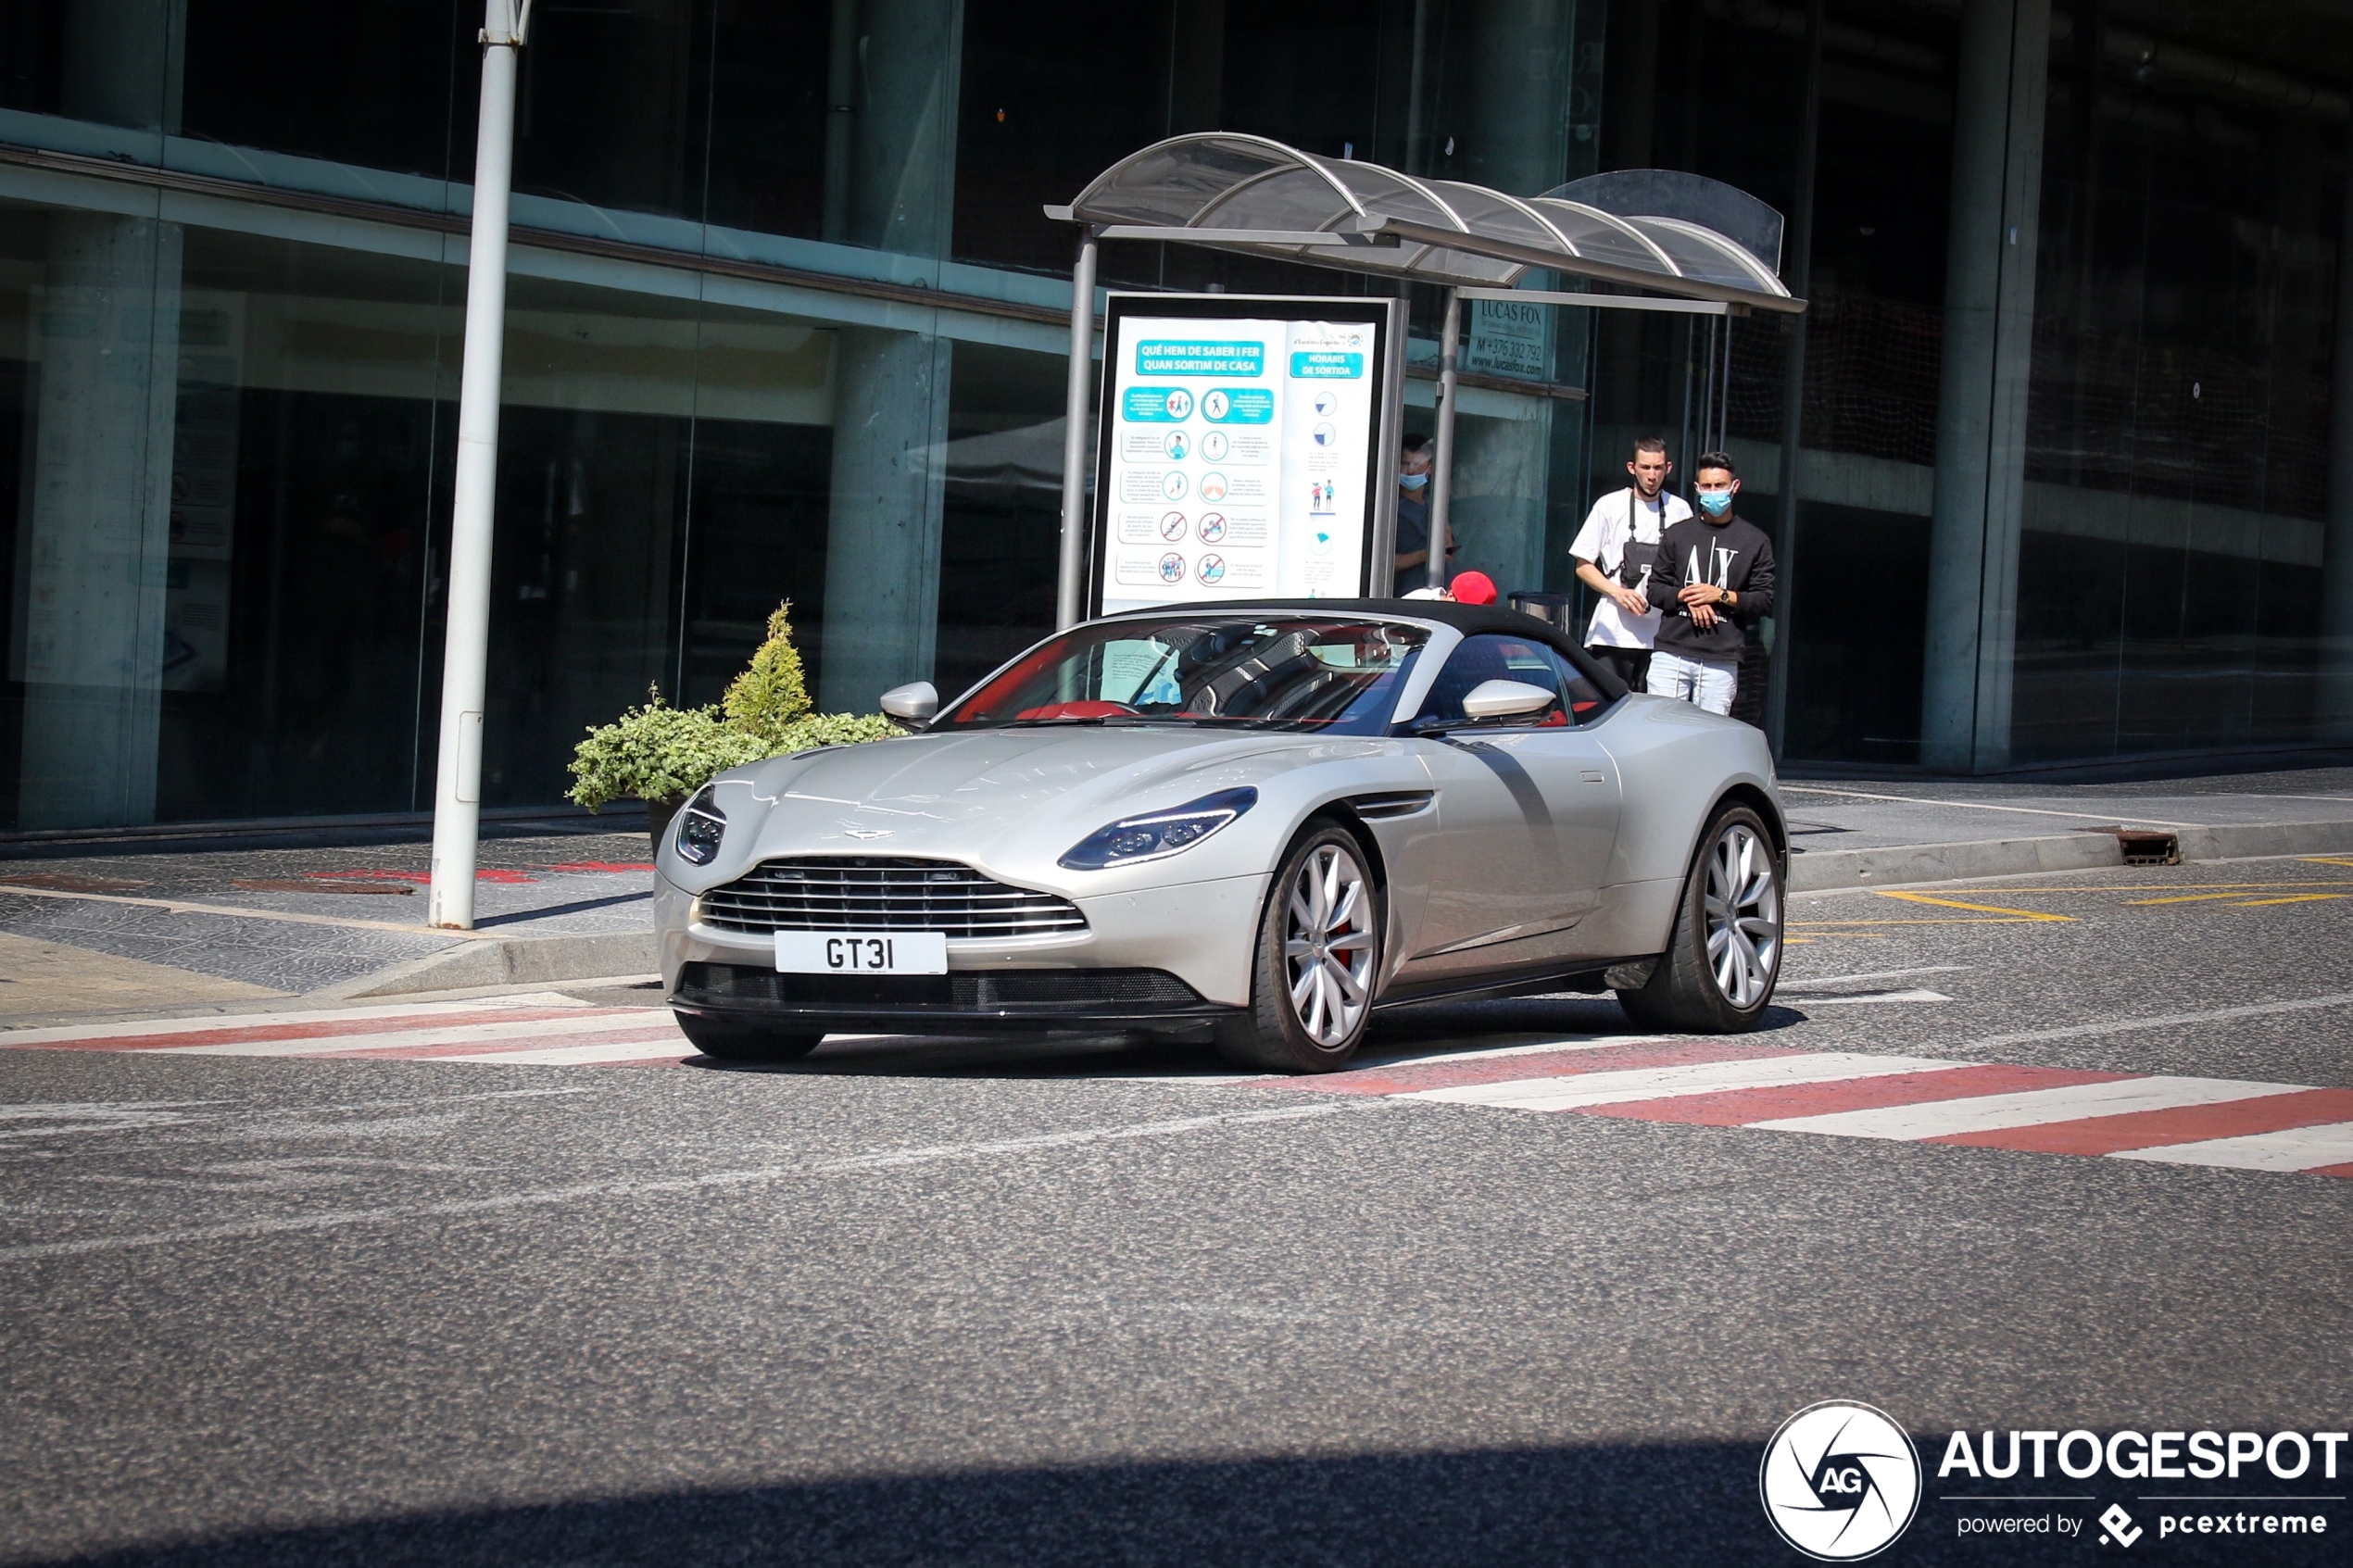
(1614, 553)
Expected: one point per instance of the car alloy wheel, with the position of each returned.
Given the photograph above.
(1328, 946)
(1724, 953)
(1744, 914)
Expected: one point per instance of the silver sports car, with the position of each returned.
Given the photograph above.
(1252, 823)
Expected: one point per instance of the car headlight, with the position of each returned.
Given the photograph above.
(702, 824)
(1162, 834)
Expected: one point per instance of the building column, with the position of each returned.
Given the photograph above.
(1521, 134)
(891, 388)
(98, 543)
(1981, 419)
(889, 482)
(902, 161)
(2332, 702)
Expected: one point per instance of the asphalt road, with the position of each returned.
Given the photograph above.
(1078, 1302)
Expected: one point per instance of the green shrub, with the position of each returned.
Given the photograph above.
(658, 752)
(834, 729)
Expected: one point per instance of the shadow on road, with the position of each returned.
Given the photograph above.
(1651, 1505)
(1430, 1030)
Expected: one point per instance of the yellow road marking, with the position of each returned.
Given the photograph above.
(2155, 886)
(2009, 920)
(2299, 898)
(2196, 897)
(2324, 861)
(1980, 909)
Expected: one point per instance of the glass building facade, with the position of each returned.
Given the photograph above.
(2070, 418)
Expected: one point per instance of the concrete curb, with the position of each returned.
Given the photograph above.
(2243, 840)
(1820, 871)
(512, 961)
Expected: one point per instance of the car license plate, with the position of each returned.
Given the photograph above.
(861, 952)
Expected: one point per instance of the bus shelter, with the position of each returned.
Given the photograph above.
(1672, 242)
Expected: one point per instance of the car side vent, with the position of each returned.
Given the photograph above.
(1392, 803)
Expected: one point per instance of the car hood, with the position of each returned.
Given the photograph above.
(965, 794)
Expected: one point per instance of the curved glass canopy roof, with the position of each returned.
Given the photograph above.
(1232, 191)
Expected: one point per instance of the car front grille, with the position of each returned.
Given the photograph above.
(884, 893)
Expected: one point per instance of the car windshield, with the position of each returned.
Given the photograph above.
(1277, 672)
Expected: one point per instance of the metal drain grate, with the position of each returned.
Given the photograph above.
(2145, 846)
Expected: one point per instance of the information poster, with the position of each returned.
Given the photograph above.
(1509, 338)
(1242, 453)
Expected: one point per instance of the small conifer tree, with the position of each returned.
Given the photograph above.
(772, 693)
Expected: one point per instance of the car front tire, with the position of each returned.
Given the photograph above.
(1317, 959)
(730, 1041)
(1725, 956)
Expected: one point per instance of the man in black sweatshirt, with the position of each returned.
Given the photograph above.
(1715, 579)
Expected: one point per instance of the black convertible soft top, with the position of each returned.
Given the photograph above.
(1469, 619)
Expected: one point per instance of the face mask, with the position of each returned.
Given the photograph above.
(1716, 503)
(1413, 480)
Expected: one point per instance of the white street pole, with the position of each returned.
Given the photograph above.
(1441, 481)
(457, 812)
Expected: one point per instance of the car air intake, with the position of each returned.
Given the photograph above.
(884, 893)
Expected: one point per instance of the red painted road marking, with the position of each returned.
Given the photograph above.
(2345, 1171)
(1414, 1077)
(2154, 1129)
(1734, 1108)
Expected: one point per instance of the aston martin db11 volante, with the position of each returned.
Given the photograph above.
(1248, 822)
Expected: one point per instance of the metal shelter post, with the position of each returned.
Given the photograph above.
(1070, 573)
(1441, 480)
(457, 812)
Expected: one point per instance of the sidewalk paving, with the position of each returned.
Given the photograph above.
(109, 929)
(1876, 833)
(83, 933)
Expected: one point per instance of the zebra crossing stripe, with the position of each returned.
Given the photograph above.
(1574, 1091)
(533, 1030)
(2278, 1112)
(1742, 1107)
(2317, 1150)
(1480, 1067)
(165, 1034)
(2027, 1108)
(669, 1046)
(1735, 1081)
(396, 1041)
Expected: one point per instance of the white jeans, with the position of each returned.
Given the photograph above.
(1707, 681)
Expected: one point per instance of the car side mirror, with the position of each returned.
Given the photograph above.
(914, 702)
(1507, 699)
